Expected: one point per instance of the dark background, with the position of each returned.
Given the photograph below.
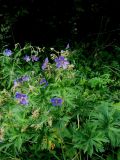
(51, 22)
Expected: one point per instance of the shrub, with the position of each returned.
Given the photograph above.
(53, 107)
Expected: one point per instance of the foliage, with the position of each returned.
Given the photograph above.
(58, 105)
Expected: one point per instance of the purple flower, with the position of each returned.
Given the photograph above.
(22, 98)
(61, 62)
(56, 101)
(34, 58)
(23, 101)
(7, 52)
(27, 58)
(44, 65)
(22, 79)
(25, 78)
(44, 82)
(18, 95)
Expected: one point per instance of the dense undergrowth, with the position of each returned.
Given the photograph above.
(59, 105)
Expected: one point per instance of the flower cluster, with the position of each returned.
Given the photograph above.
(61, 62)
(22, 98)
(34, 58)
(7, 52)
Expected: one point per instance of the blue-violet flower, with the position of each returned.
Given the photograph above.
(20, 80)
(7, 52)
(22, 98)
(25, 78)
(34, 58)
(43, 82)
(44, 65)
(56, 101)
(27, 58)
(61, 61)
